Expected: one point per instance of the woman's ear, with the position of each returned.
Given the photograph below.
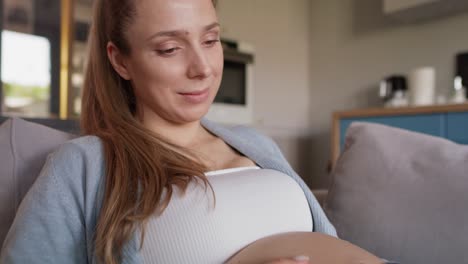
(117, 60)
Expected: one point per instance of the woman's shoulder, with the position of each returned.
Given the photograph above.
(78, 160)
(86, 143)
(65, 198)
(85, 147)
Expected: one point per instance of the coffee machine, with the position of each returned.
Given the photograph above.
(393, 90)
(461, 74)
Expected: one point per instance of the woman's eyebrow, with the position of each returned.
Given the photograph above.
(211, 26)
(177, 33)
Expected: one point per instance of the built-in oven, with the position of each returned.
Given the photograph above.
(234, 101)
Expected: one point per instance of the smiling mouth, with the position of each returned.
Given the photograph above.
(196, 97)
(195, 93)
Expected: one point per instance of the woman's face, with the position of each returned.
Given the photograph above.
(176, 59)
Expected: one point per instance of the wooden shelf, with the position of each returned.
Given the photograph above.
(401, 111)
(381, 112)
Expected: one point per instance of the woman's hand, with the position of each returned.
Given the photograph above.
(295, 260)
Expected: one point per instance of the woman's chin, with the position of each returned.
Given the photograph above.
(192, 115)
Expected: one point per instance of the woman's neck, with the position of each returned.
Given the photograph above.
(187, 135)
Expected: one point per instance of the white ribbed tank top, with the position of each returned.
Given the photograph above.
(251, 203)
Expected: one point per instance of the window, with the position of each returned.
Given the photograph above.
(25, 74)
(31, 57)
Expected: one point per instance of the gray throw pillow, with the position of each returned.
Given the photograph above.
(401, 195)
(24, 147)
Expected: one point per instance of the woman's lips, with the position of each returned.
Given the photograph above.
(196, 97)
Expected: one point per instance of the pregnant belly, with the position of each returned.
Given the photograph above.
(322, 249)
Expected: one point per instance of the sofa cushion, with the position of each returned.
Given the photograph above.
(24, 147)
(401, 195)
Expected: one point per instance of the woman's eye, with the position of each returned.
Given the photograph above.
(211, 42)
(167, 51)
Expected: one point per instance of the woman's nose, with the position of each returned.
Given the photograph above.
(199, 67)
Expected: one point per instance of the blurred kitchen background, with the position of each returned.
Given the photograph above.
(311, 59)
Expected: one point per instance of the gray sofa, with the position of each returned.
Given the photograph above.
(71, 126)
(398, 194)
(24, 146)
(401, 195)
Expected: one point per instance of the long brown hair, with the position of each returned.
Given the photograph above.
(140, 165)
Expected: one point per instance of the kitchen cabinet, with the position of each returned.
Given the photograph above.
(447, 121)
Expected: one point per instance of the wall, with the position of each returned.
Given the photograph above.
(352, 46)
(281, 83)
(315, 57)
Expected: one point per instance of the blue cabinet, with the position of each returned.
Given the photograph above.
(457, 127)
(450, 122)
(432, 124)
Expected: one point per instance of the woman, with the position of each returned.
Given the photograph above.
(125, 192)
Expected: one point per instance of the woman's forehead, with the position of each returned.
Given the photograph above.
(153, 16)
(171, 11)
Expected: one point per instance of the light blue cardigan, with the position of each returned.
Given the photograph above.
(56, 220)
